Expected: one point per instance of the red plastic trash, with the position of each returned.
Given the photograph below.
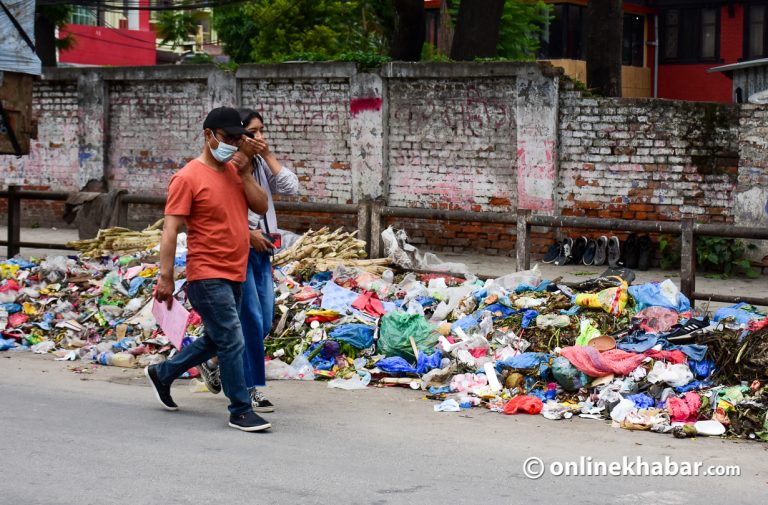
(526, 404)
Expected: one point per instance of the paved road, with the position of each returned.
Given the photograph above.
(101, 438)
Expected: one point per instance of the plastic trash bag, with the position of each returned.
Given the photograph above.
(426, 363)
(523, 361)
(408, 257)
(449, 405)
(702, 368)
(7, 344)
(277, 369)
(657, 319)
(620, 411)
(358, 335)
(512, 280)
(552, 321)
(642, 401)
(527, 404)
(529, 316)
(303, 367)
(611, 300)
(553, 411)
(395, 364)
(567, 375)
(674, 375)
(527, 302)
(664, 294)
(355, 382)
(468, 382)
(397, 327)
(742, 313)
(586, 333)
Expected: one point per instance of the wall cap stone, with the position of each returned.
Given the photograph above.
(312, 70)
(148, 73)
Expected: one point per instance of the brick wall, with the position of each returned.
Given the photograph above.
(307, 126)
(647, 159)
(155, 129)
(474, 137)
(452, 144)
(751, 195)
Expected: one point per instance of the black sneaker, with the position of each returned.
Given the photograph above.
(565, 252)
(250, 421)
(552, 253)
(211, 377)
(589, 252)
(614, 251)
(259, 402)
(645, 252)
(631, 252)
(162, 392)
(577, 253)
(601, 252)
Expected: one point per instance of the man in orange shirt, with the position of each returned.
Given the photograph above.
(212, 195)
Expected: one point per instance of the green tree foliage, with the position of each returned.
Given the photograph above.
(176, 27)
(280, 30)
(522, 23)
(236, 31)
(47, 19)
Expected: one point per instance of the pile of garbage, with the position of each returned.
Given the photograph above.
(636, 354)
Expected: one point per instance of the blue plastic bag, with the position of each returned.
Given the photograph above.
(523, 361)
(650, 295)
(11, 308)
(495, 308)
(466, 323)
(426, 363)
(529, 316)
(641, 401)
(7, 344)
(701, 368)
(358, 335)
(543, 285)
(395, 364)
(742, 313)
(135, 286)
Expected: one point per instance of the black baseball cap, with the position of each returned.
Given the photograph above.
(225, 118)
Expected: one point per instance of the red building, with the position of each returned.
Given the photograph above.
(668, 44)
(109, 37)
(698, 35)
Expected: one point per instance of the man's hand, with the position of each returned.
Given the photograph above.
(164, 290)
(242, 162)
(259, 243)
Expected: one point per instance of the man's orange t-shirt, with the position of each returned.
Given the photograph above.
(216, 213)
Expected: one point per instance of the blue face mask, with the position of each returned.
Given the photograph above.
(224, 152)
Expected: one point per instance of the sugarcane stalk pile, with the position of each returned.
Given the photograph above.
(323, 250)
(117, 240)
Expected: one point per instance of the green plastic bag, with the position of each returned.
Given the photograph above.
(395, 329)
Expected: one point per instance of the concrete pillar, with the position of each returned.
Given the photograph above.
(222, 89)
(92, 127)
(366, 124)
(537, 99)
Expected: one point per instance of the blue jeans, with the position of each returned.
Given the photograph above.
(218, 303)
(256, 314)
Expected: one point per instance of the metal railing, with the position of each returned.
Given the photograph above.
(686, 228)
(15, 195)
